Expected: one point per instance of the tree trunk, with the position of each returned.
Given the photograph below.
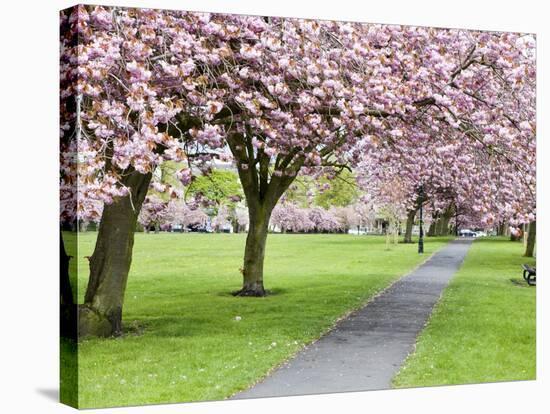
(437, 227)
(432, 230)
(262, 191)
(65, 282)
(254, 253)
(444, 226)
(444, 220)
(68, 309)
(531, 239)
(101, 314)
(409, 226)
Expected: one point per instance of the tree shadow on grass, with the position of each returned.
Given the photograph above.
(133, 328)
(269, 292)
(238, 321)
(173, 326)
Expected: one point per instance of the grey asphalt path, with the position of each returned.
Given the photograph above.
(365, 350)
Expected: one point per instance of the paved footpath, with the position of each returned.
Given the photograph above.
(365, 350)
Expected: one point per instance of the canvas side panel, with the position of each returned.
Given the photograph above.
(68, 206)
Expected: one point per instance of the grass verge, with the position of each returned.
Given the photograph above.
(188, 339)
(483, 329)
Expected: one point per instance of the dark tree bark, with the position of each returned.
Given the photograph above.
(440, 222)
(443, 226)
(260, 207)
(456, 223)
(254, 254)
(432, 230)
(441, 231)
(262, 192)
(101, 314)
(409, 226)
(235, 225)
(531, 239)
(68, 308)
(65, 281)
(443, 222)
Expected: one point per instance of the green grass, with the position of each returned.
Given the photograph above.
(483, 329)
(183, 342)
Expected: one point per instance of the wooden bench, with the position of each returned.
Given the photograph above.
(529, 274)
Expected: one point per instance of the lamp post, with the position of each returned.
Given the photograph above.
(456, 220)
(421, 233)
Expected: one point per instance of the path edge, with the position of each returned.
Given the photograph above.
(337, 321)
(428, 320)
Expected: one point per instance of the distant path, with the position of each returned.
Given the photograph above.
(365, 350)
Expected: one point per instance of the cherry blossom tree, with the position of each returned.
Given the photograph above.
(222, 219)
(184, 214)
(240, 218)
(324, 220)
(280, 97)
(153, 213)
(290, 217)
(131, 86)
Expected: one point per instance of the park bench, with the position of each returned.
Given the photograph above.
(529, 274)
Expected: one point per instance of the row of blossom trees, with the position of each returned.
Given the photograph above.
(291, 217)
(280, 98)
(159, 214)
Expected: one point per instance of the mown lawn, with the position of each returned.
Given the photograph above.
(183, 339)
(483, 329)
